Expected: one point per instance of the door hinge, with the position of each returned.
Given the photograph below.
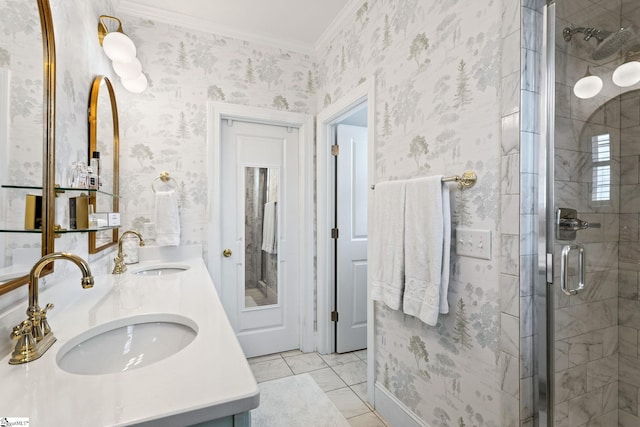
(335, 150)
(334, 316)
(334, 233)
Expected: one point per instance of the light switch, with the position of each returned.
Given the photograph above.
(473, 243)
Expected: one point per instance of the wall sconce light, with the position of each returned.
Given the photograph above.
(588, 86)
(122, 51)
(628, 73)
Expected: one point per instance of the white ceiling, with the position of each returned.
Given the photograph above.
(294, 24)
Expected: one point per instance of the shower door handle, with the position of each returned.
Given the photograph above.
(564, 270)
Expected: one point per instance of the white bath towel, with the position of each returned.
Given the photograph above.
(270, 228)
(387, 244)
(426, 244)
(167, 218)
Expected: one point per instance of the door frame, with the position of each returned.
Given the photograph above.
(325, 120)
(216, 113)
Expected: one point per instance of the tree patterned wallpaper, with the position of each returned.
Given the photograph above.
(437, 88)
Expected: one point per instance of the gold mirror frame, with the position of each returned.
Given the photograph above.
(93, 145)
(48, 143)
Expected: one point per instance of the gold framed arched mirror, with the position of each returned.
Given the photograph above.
(27, 99)
(104, 139)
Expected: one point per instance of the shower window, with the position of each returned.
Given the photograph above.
(601, 156)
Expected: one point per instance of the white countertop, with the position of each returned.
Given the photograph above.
(208, 379)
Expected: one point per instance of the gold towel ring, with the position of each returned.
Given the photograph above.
(164, 177)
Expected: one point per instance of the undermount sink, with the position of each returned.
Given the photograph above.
(160, 270)
(126, 344)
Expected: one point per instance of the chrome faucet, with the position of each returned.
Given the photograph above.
(34, 335)
(119, 266)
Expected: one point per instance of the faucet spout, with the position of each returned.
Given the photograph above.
(119, 265)
(34, 275)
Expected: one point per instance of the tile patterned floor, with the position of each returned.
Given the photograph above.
(343, 377)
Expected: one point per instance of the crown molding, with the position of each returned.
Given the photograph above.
(130, 8)
(347, 12)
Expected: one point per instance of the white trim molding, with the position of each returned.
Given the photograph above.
(394, 411)
(340, 20)
(174, 18)
(218, 111)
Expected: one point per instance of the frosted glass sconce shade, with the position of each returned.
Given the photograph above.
(119, 47)
(128, 70)
(122, 51)
(627, 74)
(588, 86)
(136, 85)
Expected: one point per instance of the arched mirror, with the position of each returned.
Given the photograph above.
(27, 137)
(104, 140)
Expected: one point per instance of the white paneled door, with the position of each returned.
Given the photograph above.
(351, 247)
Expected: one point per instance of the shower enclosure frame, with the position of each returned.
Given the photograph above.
(543, 361)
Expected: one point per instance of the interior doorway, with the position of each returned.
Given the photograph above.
(359, 99)
(259, 225)
(256, 152)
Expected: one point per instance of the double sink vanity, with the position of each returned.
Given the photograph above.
(148, 346)
(151, 346)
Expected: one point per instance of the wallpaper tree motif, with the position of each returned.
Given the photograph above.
(437, 112)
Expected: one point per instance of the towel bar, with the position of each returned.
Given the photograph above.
(467, 180)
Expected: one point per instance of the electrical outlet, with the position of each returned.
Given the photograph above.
(149, 232)
(473, 243)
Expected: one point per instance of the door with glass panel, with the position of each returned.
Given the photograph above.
(593, 213)
(259, 222)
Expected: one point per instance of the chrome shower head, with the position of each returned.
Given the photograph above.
(612, 43)
(608, 43)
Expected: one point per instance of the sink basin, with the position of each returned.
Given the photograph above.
(126, 344)
(160, 270)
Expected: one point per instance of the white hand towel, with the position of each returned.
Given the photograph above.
(167, 218)
(387, 244)
(269, 228)
(426, 249)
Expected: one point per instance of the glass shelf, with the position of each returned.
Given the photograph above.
(85, 230)
(23, 230)
(61, 231)
(59, 189)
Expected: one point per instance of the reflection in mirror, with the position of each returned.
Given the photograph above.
(104, 139)
(26, 134)
(261, 236)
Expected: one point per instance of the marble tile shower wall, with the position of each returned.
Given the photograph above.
(521, 136)
(437, 105)
(628, 292)
(589, 364)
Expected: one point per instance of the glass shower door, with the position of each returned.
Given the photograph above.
(594, 368)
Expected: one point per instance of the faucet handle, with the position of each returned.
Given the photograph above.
(25, 349)
(46, 329)
(22, 330)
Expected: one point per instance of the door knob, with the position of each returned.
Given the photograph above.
(226, 253)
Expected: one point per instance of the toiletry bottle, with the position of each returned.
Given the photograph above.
(95, 164)
(92, 179)
(82, 176)
(93, 219)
